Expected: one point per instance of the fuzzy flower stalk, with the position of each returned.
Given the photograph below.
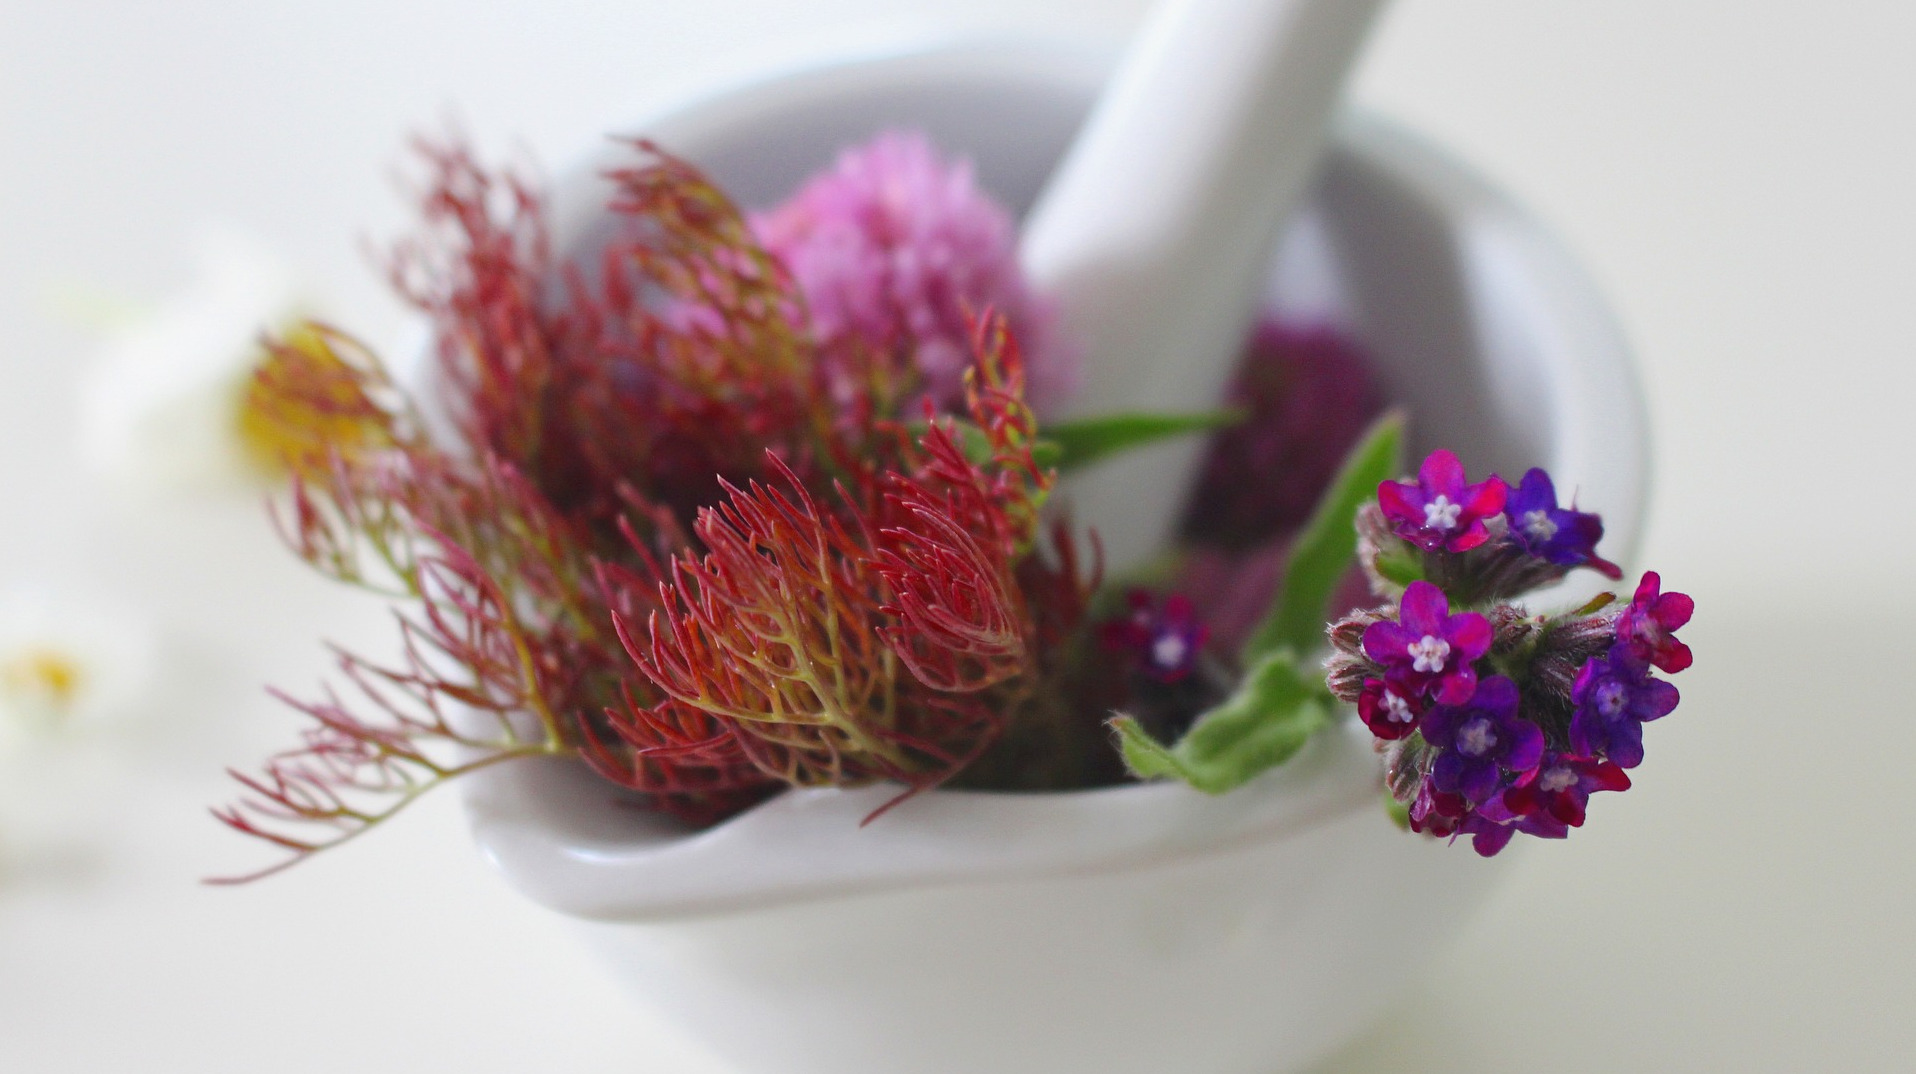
(661, 518)
(1494, 720)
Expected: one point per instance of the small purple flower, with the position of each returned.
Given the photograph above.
(1564, 536)
(1440, 511)
(1481, 740)
(1165, 640)
(1615, 696)
(1430, 648)
(1437, 814)
(1391, 706)
(1560, 789)
(1648, 625)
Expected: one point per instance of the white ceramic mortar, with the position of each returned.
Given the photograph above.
(1139, 928)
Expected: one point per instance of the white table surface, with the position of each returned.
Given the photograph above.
(1738, 175)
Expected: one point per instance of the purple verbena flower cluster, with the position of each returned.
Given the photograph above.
(1493, 720)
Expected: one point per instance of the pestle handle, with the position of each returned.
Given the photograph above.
(1154, 233)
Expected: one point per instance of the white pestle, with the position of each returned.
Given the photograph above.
(1155, 232)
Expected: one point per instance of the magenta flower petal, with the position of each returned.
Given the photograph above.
(1395, 498)
(1456, 687)
(1486, 498)
(1440, 511)
(1390, 707)
(1442, 472)
(1423, 609)
(1647, 625)
(1427, 647)
(1469, 635)
(1386, 642)
(1674, 610)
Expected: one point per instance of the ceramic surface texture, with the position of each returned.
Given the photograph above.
(1128, 929)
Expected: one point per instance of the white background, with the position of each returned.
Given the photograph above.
(1740, 177)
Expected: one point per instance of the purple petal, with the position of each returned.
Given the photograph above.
(1424, 609)
(1440, 725)
(1525, 745)
(1442, 473)
(1490, 838)
(1496, 695)
(1647, 588)
(1472, 536)
(1587, 733)
(1458, 687)
(1672, 610)
(1673, 656)
(1568, 808)
(1625, 748)
(1447, 771)
(1606, 777)
(1654, 700)
(1586, 678)
(1388, 643)
(1485, 498)
(1396, 500)
(1469, 635)
(1534, 493)
(1480, 780)
(1543, 826)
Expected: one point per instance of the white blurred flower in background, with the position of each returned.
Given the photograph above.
(76, 687)
(163, 407)
(70, 673)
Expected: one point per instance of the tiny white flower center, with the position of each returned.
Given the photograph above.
(1428, 654)
(1169, 651)
(1557, 778)
(1538, 525)
(1610, 698)
(1396, 709)
(1476, 738)
(1441, 514)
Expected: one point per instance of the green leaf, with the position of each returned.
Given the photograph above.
(1324, 550)
(1274, 712)
(1087, 440)
(1399, 812)
(1596, 604)
(1402, 566)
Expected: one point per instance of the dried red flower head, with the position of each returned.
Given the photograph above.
(833, 597)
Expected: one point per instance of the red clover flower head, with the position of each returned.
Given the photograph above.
(897, 246)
